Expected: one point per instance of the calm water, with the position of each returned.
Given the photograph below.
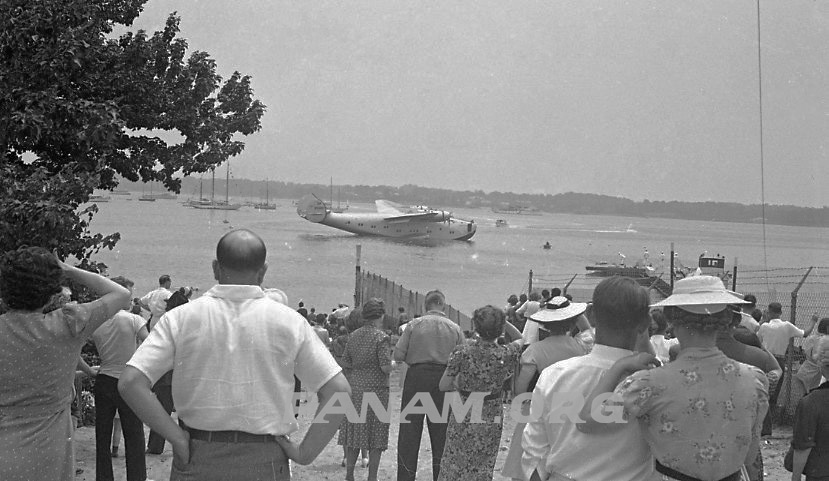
(316, 263)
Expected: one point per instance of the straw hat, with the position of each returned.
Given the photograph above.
(701, 295)
(558, 309)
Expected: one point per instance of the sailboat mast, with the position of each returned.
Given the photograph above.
(213, 186)
(227, 185)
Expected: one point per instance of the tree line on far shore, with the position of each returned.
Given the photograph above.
(566, 203)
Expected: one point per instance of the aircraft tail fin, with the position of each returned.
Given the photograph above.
(311, 208)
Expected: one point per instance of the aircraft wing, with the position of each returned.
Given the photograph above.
(389, 208)
(425, 216)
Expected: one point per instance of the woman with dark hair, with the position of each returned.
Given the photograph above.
(38, 355)
(702, 413)
(556, 319)
(479, 366)
(368, 355)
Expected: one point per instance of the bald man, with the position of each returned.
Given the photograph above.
(235, 353)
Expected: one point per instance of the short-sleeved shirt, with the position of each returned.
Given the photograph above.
(701, 413)
(235, 354)
(157, 302)
(530, 331)
(429, 338)
(557, 446)
(552, 350)
(116, 341)
(811, 430)
(776, 334)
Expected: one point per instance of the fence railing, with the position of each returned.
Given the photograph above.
(395, 296)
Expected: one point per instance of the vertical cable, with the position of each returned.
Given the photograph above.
(762, 162)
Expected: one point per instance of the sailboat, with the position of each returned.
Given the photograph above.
(201, 200)
(147, 198)
(339, 209)
(218, 205)
(265, 205)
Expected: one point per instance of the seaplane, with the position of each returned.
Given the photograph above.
(391, 220)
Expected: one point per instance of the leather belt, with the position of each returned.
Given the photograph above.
(228, 436)
(662, 469)
(489, 397)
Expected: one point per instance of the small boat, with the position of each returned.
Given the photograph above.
(547, 245)
(501, 223)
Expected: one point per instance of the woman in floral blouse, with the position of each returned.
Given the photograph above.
(479, 366)
(701, 413)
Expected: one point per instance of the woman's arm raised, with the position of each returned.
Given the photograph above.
(113, 298)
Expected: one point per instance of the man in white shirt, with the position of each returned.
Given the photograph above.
(155, 301)
(527, 310)
(554, 448)
(235, 353)
(776, 335)
(115, 341)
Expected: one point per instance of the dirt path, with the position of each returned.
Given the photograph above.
(327, 465)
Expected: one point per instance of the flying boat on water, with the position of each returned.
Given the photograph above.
(391, 220)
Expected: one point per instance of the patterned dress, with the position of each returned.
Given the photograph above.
(38, 355)
(367, 350)
(701, 414)
(471, 448)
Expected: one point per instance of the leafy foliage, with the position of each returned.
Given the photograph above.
(79, 108)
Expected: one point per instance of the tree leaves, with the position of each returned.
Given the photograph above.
(79, 109)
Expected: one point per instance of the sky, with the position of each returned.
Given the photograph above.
(640, 99)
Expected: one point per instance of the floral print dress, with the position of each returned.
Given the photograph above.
(471, 448)
(368, 349)
(701, 414)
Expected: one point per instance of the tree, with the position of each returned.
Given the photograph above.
(80, 107)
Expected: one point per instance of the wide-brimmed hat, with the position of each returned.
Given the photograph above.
(558, 309)
(701, 295)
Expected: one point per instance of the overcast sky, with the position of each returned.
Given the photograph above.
(642, 99)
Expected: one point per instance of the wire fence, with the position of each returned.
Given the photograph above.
(395, 296)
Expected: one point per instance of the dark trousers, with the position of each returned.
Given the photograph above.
(420, 378)
(219, 461)
(163, 390)
(767, 421)
(107, 402)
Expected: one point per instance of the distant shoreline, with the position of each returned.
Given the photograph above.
(567, 203)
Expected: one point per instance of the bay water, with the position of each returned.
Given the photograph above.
(316, 264)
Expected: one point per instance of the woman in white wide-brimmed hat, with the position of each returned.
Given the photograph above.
(702, 413)
(556, 319)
